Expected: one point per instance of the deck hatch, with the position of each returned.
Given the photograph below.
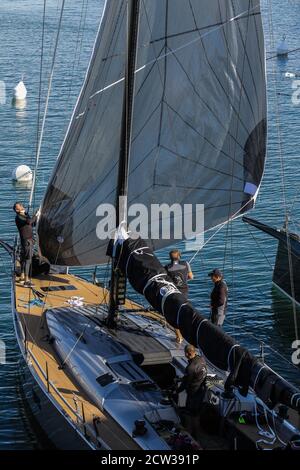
(105, 379)
(58, 288)
(125, 369)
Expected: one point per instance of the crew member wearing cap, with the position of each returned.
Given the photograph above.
(218, 297)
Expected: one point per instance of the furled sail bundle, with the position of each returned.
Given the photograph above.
(199, 122)
(149, 278)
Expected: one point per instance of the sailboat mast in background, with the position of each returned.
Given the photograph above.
(118, 281)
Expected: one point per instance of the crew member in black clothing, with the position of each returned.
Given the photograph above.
(181, 273)
(218, 297)
(24, 224)
(194, 383)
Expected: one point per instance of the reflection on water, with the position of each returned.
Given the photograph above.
(19, 104)
(20, 107)
(22, 185)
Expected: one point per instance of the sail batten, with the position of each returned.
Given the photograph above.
(199, 122)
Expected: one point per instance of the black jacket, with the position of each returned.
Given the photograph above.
(178, 272)
(195, 375)
(219, 295)
(24, 224)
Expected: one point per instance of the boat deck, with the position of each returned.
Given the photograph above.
(31, 309)
(52, 292)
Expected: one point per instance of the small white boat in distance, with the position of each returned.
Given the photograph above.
(282, 49)
(20, 91)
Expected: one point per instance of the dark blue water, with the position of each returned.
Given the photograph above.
(262, 313)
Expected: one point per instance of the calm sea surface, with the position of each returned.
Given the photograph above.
(257, 312)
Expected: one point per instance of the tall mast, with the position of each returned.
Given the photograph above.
(133, 8)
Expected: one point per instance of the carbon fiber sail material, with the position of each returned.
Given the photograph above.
(199, 122)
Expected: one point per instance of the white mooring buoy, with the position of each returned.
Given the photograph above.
(22, 174)
(282, 49)
(20, 91)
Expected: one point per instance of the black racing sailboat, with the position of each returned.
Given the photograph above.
(176, 117)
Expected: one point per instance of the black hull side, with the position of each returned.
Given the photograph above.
(287, 242)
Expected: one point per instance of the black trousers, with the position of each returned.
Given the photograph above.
(26, 256)
(194, 401)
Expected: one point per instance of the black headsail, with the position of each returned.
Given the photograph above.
(198, 127)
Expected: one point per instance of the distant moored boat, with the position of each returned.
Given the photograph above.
(286, 274)
(20, 91)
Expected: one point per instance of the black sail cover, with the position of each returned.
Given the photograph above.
(149, 278)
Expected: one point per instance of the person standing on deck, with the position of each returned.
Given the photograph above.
(24, 224)
(180, 273)
(194, 383)
(218, 297)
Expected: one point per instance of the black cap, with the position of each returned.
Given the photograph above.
(216, 272)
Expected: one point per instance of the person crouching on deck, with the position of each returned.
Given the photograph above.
(24, 224)
(180, 273)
